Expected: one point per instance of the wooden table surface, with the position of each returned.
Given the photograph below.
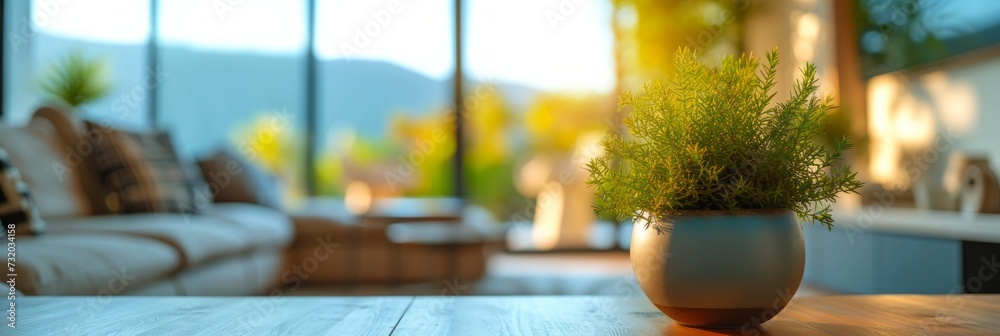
(488, 315)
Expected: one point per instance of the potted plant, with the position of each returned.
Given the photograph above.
(76, 80)
(717, 179)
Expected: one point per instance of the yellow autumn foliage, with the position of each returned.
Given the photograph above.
(556, 122)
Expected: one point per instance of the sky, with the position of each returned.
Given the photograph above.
(552, 45)
(954, 18)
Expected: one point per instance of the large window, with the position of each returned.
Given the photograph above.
(540, 93)
(539, 77)
(59, 28)
(235, 76)
(385, 76)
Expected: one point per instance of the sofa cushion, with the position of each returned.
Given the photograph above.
(264, 227)
(17, 209)
(144, 171)
(234, 180)
(78, 147)
(198, 238)
(57, 191)
(91, 264)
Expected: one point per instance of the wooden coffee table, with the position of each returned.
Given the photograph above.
(449, 314)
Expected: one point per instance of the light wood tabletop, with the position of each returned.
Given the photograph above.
(489, 315)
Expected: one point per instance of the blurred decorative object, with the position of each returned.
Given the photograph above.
(533, 174)
(562, 219)
(358, 198)
(929, 193)
(707, 151)
(564, 131)
(915, 122)
(980, 191)
(76, 79)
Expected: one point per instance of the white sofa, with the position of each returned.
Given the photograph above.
(228, 249)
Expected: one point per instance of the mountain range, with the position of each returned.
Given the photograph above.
(205, 95)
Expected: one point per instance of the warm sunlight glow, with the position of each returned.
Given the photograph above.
(549, 216)
(906, 114)
(885, 153)
(954, 174)
(912, 123)
(588, 147)
(358, 198)
(885, 162)
(957, 98)
(532, 176)
(806, 37)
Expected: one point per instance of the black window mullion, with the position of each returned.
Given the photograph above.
(311, 106)
(458, 94)
(153, 64)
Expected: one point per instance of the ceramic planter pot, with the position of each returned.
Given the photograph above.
(716, 269)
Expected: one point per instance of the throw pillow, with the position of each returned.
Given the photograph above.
(142, 169)
(16, 206)
(231, 179)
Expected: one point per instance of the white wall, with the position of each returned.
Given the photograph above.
(907, 110)
(929, 113)
(982, 132)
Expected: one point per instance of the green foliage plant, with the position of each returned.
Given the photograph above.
(76, 79)
(710, 139)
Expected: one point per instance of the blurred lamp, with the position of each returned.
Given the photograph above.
(358, 197)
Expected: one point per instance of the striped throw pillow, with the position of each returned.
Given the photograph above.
(16, 206)
(143, 172)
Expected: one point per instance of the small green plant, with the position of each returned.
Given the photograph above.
(711, 140)
(76, 79)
